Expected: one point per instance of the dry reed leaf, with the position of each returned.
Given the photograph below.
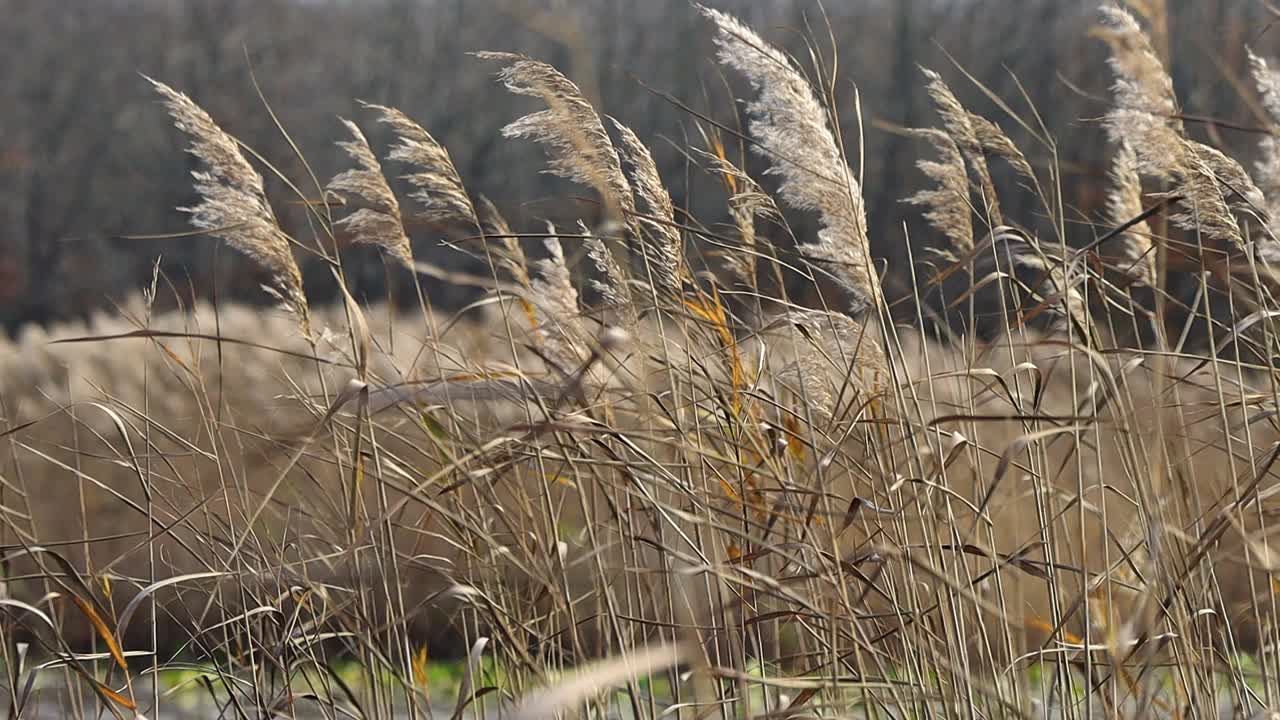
(601, 676)
(103, 630)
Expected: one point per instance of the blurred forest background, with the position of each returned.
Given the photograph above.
(88, 161)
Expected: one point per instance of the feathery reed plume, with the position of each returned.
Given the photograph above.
(959, 125)
(613, 287)
(747, 201)
(948, 204)
(1145, 110)
(1268, 164)
(791, 128)
(233, 202)
(580, 151)
(576, 140)
(1060, 275)
(494, 227)
(557, 299)
(1204, 209)
(1145, 115)
(994, 140)
(510, 255)
(1124, 203)
(437, 186)
(662, 244)
(379, 223)
(842, 347)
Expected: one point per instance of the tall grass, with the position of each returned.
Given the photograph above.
(641, 485)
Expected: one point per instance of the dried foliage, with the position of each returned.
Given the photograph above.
(788, 512)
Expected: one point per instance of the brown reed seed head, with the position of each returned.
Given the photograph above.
(233, 202)
(1145, 115)
(379, 222)
(791, 129)
(947, 205)
(1124, 203)
(557, 301)
(662, 243)
(959, 124)
(579, 148)
(438, 189)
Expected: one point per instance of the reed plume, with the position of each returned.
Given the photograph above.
(661, 242)
(511, 256)
(947, 205)
(436, 184)
(791, 129)
(1144, 110)
(747, 202)
(579, 148)
(557, 301)
(1145, 115)
(379, 222)
(1124, 203)
(1267, 166)
(838, 347)
(958, 123)
(233, 202)
(993, 140)
(612, 283)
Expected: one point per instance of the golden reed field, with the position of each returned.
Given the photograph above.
(632, 462)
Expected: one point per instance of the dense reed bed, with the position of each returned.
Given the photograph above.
(637, 479)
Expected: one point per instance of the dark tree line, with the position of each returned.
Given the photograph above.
(89, 167)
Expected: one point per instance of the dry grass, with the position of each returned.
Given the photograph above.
(750, 508)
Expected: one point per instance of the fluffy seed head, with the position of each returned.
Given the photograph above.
(233, 202)
(378, 222)
(791, 128)
(1267, 166)
(661, 241)
(436, 184)
(947, 205)
(958, 123)
(557, 301)
(1124, 203)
